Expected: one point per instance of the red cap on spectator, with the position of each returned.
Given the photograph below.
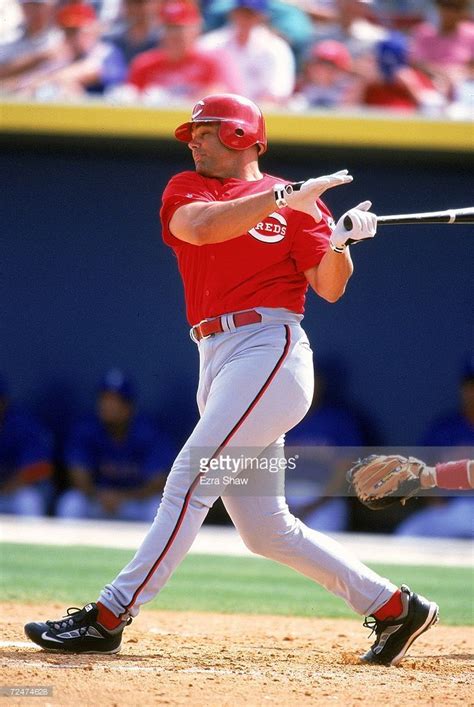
(180, 12)
(333, 52)
(76, 15)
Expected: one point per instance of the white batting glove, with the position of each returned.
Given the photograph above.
(364, 225)
(302, 196)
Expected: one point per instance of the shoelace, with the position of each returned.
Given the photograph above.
(68, 620)
(371, 623)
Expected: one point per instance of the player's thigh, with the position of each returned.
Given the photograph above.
(263, 388)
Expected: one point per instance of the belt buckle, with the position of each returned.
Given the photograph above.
(203, 321)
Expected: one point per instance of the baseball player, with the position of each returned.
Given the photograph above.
(248, 245)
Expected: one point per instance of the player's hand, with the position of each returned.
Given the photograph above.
(364, 225)
(302, 196)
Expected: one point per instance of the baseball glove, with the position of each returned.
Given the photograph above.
(380, 480)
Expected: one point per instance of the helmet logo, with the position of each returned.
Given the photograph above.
(197, 110)
(271, 230)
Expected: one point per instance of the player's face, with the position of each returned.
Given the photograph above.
(211, 157)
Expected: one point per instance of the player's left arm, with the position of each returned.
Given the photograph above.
(330, 277)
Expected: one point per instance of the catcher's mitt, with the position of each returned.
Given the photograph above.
(380, 480)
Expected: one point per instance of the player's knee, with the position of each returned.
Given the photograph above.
(274, 540)
(254, 543)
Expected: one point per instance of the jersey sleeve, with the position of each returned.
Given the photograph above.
(310, 239)
(184, 188)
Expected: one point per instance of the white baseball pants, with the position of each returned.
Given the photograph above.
(256, 383)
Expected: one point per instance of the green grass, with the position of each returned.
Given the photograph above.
(74, 575)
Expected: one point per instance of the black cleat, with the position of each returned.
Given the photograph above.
(78, 632)
(395, 636)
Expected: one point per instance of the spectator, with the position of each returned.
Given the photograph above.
(327, 80)
(90, 65)
(179, 70)
(462, 107)
(316, 488)
(401, 15)
(292, 21)
(38, 45)
(10, 26)
(116, 459)
(396, 85)
(265, 60)
(449, 517)
(444, 50)
(25, 461)
(356, 26)
(138, 29)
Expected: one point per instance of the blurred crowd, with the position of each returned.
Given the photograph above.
(403, 55)
(112, 462)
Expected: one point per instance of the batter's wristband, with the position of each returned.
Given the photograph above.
(453, 475)
(281, 191)
(337, 248)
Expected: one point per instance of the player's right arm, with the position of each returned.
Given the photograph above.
(201, 223)
(204, 222)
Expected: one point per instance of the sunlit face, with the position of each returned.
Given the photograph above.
(37, 16)
(82, 40)
(178, 40)
(140, 10)
(323, 73)
(245, 19)
(211, 157)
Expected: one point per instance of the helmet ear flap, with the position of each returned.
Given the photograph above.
(236, 136)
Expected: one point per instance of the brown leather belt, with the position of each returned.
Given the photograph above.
(209, 327)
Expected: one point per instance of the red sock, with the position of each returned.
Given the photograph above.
(106, 618)
(391, 609)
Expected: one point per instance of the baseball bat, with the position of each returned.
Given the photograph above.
(449, 216)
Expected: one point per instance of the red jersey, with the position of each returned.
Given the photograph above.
(261, 268)
(195, 74)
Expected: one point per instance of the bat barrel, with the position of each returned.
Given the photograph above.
(449, 216)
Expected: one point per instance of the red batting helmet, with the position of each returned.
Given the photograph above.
(241, 121)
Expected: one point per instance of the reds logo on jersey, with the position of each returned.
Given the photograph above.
(271, 230)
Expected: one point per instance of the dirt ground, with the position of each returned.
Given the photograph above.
(173, 658)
